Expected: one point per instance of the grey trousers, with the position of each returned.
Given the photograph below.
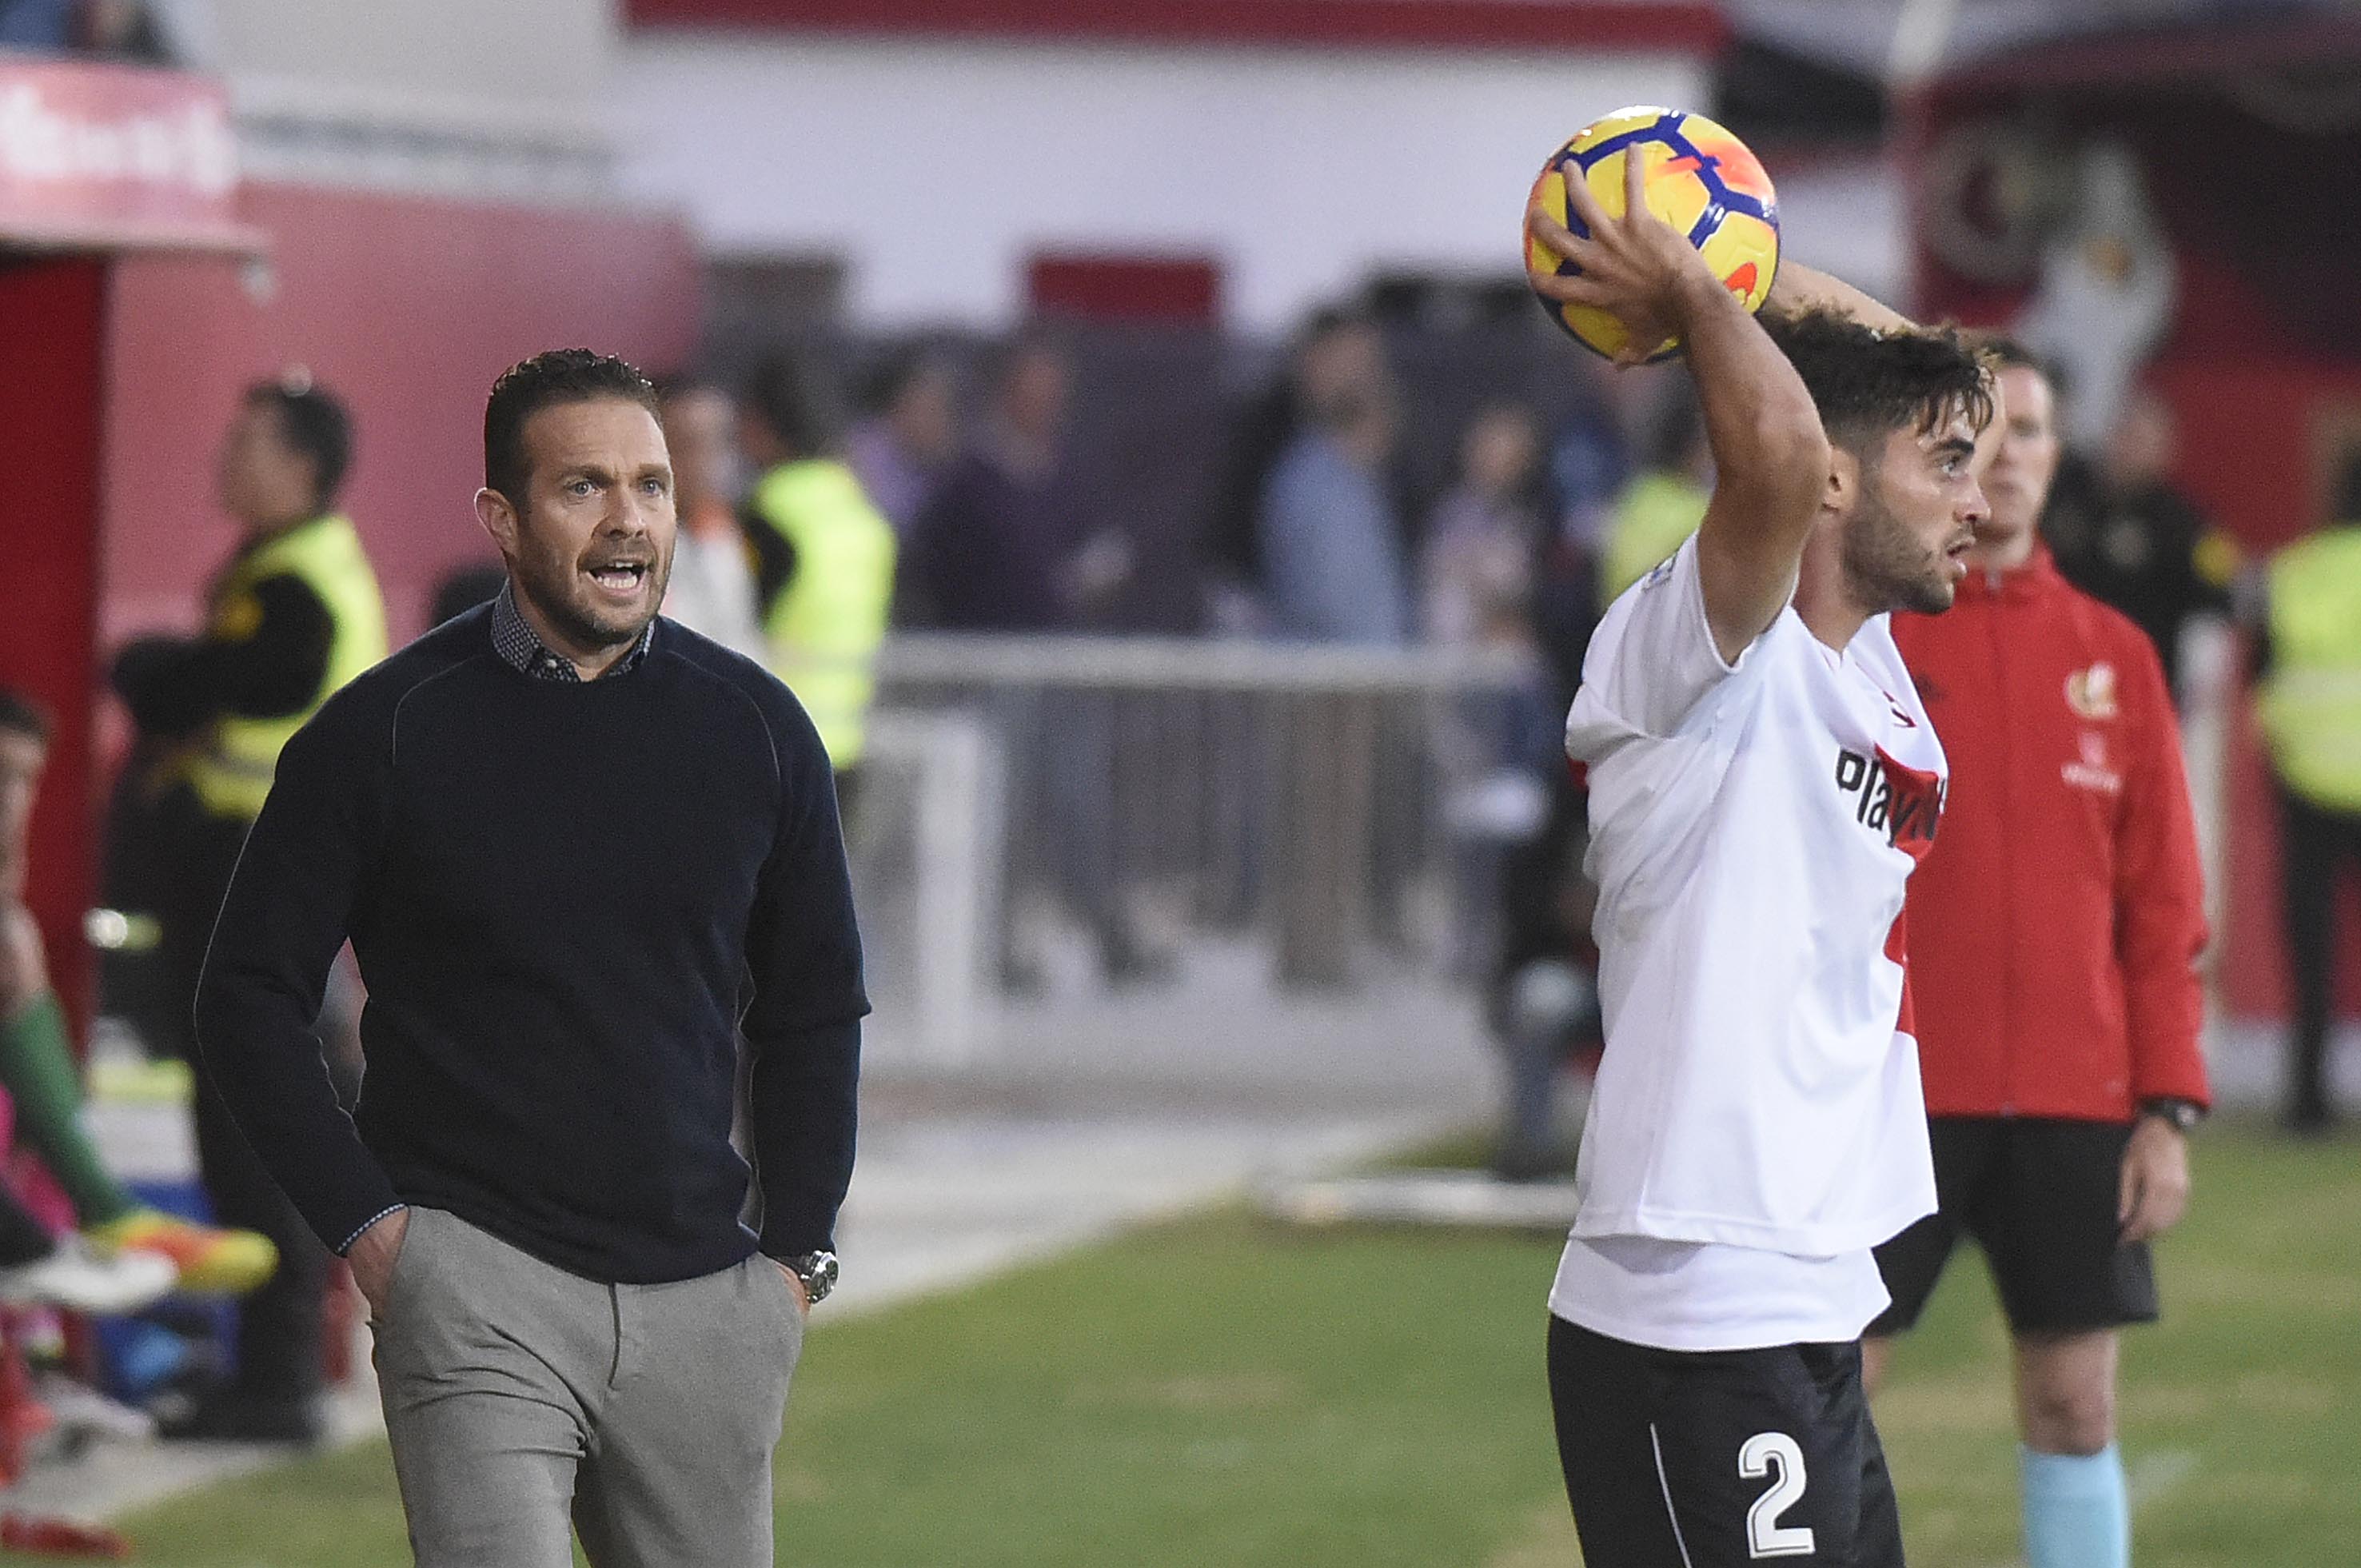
(517, 1396)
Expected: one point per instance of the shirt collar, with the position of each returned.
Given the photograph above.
(514, 640)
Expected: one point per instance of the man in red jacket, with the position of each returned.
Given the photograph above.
(2054, 932)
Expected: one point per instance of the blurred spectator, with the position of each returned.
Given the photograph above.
(293, 614)
(1003, 550)
(2310, 709)
(908, 435)
(1331, 540)
(1483, 581)
(1335, 349)
(462, 588)
(1477, 576)
(711, 590)
(1588, 466)
(823, 555)
(1654, 514)
(43, 1086)
(2123, 533)
(123, 30)
(999, 544)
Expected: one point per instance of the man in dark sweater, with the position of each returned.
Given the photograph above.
(578, 853)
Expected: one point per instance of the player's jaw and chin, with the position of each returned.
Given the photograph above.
(1887, 566)
(1907, 553)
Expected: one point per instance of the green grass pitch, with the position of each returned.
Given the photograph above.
(1219, 1391)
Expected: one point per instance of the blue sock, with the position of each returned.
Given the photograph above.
(2077, 1512)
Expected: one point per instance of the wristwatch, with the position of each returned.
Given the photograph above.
(818, 1271)
(2183, 1115)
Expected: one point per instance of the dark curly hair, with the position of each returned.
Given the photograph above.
(1868, 384)
(524, 388)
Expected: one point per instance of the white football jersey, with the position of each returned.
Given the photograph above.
(1752, 826)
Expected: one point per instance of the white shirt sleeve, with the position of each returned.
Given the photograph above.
(1651, 663)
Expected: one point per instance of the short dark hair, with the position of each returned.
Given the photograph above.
(314, 423)
(797, 401)
(2008, 353)
(1868, 384)
(545, 380)
(22, 715)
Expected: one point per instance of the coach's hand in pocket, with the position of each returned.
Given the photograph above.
(372, 1256)
(2155, 1187)
(796, 1284)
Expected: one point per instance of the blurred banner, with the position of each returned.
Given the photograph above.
(106, 157)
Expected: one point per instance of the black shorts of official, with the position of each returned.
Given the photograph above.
(1698, 1459)
(2040, 1195)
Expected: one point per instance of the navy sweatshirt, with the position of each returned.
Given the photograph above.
(568, 902)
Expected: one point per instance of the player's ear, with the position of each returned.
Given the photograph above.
(1842, 490)
(499, 519)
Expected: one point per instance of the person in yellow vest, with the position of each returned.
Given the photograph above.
(823, 555)
(293, 614)
(1654, 514)
(2309, 703)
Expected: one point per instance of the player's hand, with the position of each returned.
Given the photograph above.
(372, 1256)
(2155, 1184)
(24, 967)
(1636, 267)
(796, 1283)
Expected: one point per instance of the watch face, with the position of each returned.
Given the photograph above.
(818, 1271)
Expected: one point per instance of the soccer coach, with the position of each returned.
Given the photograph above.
(579, 850)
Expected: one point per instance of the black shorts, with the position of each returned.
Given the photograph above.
(2039, 1195)
(1681, 1459)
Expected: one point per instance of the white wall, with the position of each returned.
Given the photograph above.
(498, 97)
(934, 170)
(1848, 216)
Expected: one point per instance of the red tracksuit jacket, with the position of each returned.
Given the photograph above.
(2055, 927)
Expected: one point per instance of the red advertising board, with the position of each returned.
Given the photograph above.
(107, 157)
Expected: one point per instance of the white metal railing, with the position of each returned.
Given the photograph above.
(1130, 797)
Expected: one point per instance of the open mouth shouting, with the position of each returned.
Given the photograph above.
(620, 579)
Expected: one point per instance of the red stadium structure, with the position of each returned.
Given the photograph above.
(2249, 139)
(143, 283)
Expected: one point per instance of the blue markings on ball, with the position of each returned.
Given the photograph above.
(1669, 129)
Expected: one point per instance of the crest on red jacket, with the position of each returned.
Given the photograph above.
(2091, 692)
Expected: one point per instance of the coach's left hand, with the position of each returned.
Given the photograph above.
(2155, 1188)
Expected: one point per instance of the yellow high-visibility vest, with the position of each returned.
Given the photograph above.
(2310, 705)
(232, 774)
(1651, 520)
(824, 625)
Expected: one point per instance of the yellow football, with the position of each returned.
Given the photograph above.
(1696, 176)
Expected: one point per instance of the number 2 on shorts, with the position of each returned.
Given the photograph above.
(1776, 1454)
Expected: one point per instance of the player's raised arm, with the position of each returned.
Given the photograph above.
(1771, 456)
(1798, 288)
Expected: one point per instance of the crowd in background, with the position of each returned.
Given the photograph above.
(1355, 497)
(1379, 487)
